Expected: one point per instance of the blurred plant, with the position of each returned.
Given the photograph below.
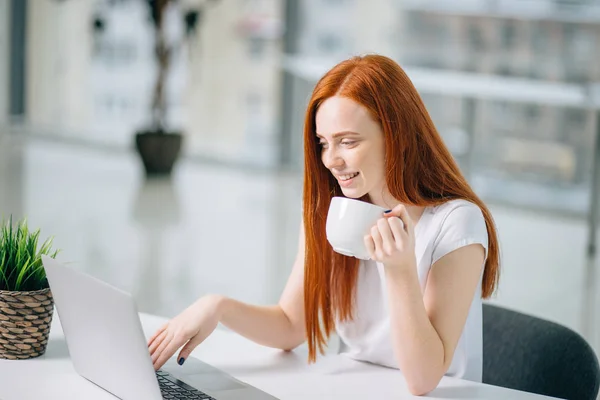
(21, 266)
(192, 14)
(192, 11)
(159, 148)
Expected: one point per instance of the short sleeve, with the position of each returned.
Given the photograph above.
(462, 226)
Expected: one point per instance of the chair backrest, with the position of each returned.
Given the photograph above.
(534, 355)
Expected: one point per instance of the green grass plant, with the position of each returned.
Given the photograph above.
(21, 267)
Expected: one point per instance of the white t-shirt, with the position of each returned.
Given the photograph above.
(440, 230)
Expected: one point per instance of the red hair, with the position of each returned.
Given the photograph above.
(420, 171)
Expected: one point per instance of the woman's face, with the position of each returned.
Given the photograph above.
(352, 148)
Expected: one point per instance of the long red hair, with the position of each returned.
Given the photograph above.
(420, 171)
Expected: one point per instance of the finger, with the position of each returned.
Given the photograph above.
(161, 348)
(401, 212)
(157, 342)
(376, 238)
(368, 239)
(397, 228)
(388, 242)
(170, 350)
(190, 346)
(157, 333)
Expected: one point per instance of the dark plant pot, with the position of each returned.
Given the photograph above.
(25, 320)
(158, 151)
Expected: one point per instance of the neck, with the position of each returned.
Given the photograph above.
(388, 202)
(383, 199)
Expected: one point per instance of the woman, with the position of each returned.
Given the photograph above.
(416, 305)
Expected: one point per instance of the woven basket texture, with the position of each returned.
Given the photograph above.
(25, 320)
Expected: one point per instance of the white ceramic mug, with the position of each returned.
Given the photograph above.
(348, 221)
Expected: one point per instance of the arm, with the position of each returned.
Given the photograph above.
(266, 325)
(426, 328)
(280, 326)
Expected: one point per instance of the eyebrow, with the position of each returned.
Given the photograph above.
(343, 133)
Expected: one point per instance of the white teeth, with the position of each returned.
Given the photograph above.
(346, 177)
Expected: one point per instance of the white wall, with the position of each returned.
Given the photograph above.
(232, 98)
(57, 63)
(4, 58)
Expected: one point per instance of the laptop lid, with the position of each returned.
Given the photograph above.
(103, 333)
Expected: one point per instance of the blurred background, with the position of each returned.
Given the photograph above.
(510, 84)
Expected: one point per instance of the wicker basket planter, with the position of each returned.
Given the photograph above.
(25, 320)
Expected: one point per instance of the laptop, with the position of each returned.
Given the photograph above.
(108, 347)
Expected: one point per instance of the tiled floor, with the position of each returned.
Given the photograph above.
(234, 232)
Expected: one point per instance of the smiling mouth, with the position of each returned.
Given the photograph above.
(344, 178)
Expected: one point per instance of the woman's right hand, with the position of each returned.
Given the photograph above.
(188, 329)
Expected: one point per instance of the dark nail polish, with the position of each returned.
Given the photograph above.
(388, 211)
(181, 361)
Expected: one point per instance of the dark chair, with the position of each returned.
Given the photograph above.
(534, 355)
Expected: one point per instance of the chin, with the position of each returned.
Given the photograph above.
(353, 193)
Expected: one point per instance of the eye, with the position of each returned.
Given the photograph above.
(346, 142)
(323, 144)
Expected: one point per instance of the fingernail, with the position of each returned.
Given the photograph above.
(387, 211)
(181, 361)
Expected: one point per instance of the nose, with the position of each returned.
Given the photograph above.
(331, 158)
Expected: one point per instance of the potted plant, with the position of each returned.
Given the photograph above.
(158, 147)
(26, 304)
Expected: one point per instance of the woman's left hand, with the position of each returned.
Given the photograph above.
(392, 239)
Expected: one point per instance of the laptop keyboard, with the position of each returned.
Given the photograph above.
(173, 388)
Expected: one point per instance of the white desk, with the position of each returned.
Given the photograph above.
(284, 375)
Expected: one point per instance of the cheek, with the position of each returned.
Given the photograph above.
(373, 168)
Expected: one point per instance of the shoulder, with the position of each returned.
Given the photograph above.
(459, 223)
(458, 211)
(457, 204)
